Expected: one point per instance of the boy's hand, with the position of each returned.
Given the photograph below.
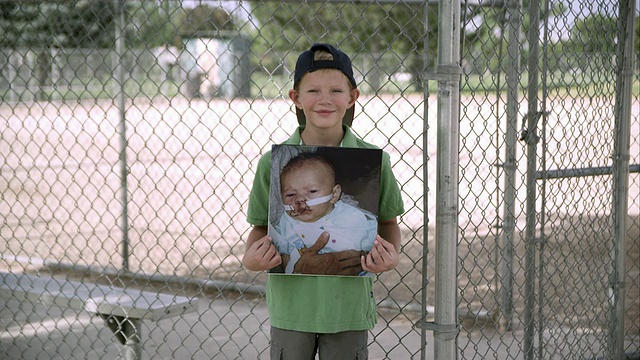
(382, 257)
(261, 255)
(337, 263)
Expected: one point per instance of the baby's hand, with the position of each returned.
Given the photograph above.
(382, 257)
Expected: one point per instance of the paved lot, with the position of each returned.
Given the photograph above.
(213, 332)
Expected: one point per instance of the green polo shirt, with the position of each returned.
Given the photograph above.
(322, 304)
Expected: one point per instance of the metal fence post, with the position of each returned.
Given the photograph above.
(508, 227)
(122, 129)
(448, 66)
(425, 197)
(531, 138)
(621, 157)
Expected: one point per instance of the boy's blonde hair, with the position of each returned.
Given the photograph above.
(321, 55)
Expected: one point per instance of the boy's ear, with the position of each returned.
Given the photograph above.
(294, 96)
(337, 192)
(355, 93)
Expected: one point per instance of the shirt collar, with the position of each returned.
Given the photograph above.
(348, 140)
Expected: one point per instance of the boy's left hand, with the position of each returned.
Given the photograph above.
(382, 257)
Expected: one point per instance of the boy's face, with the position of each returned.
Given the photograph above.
(324, 96)
(310, 181)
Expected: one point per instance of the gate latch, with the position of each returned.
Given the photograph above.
(442, 331)
(529, 134)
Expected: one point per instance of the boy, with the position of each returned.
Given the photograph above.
(326, 314)
(314, 203)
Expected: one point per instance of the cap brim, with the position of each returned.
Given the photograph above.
(347, 119)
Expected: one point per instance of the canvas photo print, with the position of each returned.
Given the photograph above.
(316, 189)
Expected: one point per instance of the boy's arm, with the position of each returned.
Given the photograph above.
(386, 249)
(390, 231)
(260, 253)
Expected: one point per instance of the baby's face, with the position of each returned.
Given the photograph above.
(310, 181)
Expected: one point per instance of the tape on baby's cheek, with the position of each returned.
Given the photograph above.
(312, 202)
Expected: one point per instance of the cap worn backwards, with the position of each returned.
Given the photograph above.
(306, 63)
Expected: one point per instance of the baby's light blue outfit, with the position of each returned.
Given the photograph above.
(349, 227)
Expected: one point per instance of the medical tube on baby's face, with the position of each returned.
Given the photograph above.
(300, 206)
(307, 191)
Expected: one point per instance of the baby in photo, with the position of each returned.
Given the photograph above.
(314, 203)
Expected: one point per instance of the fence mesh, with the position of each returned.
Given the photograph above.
(131, 131)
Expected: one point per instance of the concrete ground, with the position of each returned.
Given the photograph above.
(225, 328)
(219, 329)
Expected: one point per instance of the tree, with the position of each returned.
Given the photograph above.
(74, 23)
(205, 20)
(357, 28)
(153, 23)
(637, 36)
(486, 39)
(597, 33)
(86, 23)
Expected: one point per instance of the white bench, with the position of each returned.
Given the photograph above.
(121, 308)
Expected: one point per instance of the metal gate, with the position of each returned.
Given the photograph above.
(576, 240)
(562, 178)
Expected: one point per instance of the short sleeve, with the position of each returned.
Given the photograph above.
(258, 210)
(391, 204)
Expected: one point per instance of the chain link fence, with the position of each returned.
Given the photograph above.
(130, 131)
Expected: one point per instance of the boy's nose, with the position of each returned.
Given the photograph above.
(325, 97)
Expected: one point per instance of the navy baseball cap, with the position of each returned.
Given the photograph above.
(306, 63)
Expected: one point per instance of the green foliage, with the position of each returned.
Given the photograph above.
(596, 33)
(204, 20)
(485, 44)
(636, 46)
(356, 28)
(72, 23)
(151, 24)
(87, 23)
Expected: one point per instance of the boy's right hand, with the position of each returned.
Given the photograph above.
(261, 255)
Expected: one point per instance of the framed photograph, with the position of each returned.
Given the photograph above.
(317, 189)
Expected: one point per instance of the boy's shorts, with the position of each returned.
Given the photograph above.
(297, 345)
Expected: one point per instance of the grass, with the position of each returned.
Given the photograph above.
(268, 86)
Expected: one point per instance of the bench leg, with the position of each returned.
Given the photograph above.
(127, 331)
